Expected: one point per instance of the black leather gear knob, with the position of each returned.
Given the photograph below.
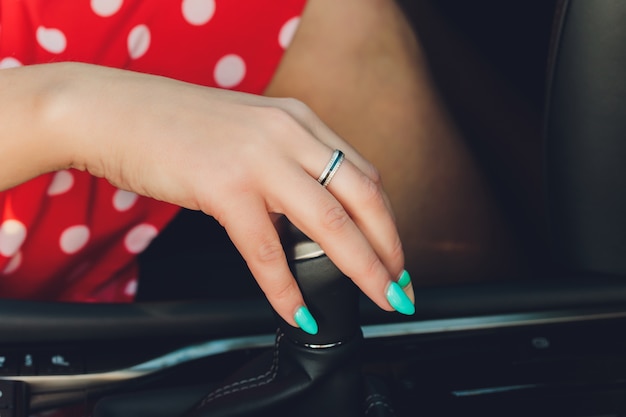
(305, 374)
(331, 297)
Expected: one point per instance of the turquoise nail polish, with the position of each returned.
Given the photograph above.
(399, 300)
(305, 320)
(405, 279)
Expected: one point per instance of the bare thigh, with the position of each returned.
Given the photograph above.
(361, 68)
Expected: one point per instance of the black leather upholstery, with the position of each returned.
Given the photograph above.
(586, 136)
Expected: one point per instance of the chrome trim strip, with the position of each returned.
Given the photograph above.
(203, 350)
(307, 250)
(57, 383)
(326, 346)
(485, 322)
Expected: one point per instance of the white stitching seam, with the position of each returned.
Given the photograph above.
(244, 384)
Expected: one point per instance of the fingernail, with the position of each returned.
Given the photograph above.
(405, 279)
(399, 300)
(305, 320)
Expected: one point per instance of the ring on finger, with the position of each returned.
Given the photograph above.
(331, 168)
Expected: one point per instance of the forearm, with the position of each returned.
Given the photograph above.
(212, 150)
(31, 116)
(88, 117)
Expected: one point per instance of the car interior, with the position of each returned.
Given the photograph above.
(546, 341)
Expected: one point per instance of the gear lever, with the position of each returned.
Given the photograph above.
(331, 297)
(305, 375)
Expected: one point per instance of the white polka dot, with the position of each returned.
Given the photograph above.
(106, 8)
(52, 40)
(198, 12)
(287, 31)
(138, 41)
(140, 237)
(61, 183)
(12, 235)
(9, 62)
(131, 287)
(123, 200)
(74, 238)
(229, 71)
(13, 264)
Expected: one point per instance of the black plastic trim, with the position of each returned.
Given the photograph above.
(26, 321)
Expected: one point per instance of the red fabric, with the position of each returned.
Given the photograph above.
(69, 236)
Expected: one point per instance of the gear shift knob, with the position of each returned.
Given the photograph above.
(331, 297)
(304, 375)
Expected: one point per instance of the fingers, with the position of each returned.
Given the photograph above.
(367, 205)
(350, 219)
(251, 229)
(357, 247)
(364, 252)
(364, 201)
(320, 130)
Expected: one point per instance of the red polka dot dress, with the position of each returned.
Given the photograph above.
(68, 236)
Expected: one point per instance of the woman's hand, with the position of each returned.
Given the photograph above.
(237, 157)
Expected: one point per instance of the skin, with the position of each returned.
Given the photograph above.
(221, 155)
(358, 81)
(362, 69)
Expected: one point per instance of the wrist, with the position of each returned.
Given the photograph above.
(33, 114)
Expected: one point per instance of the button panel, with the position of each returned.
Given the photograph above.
(31, 363)
(27, 364)
(60, 363)
(8, 364)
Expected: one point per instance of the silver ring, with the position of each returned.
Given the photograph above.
(331, 169)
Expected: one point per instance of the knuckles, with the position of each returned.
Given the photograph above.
(397, 254)
(334, 218)
(372, 266)
(277, 119)
(297, 108)
(276, 127)
(371, 192)
(280, 292)
(270, 251)
(373, 174)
